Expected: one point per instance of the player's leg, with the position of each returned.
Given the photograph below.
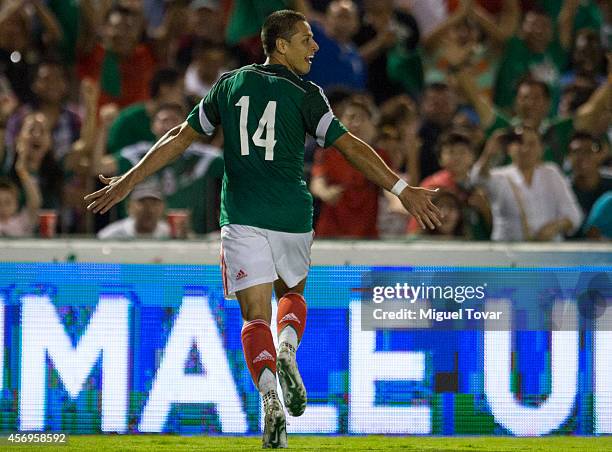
(292, 260)
(248, 272)
(291, 314)
(257, 341)
(291, 321)
(260, 356)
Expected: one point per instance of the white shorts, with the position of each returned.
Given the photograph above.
(252, 256)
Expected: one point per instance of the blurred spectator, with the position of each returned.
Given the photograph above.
(50, 88)
(77, 20)
(535, 51)
(398, 136)
(438, 107)
(391, 220)
(531, 109)
(209, 62)
(575, 15)
(13, 221)
(458, 42)
(8, 104)
(350, 201)
(498, 18)
(456, 154)
(598, 225)
(337, 98)
(427, 13)
(190, 182)
(21, 46)
(244, 25)
(134, 122)
(586, 156)
(606, 27)
(387, 42)
(205, 22)
(146, 210)
(123, 66)
(77, 184)
(34, 153)
(530, 200)
(588, 61)
(467, 122)
(399, 115)
(573, 96)
(451, 210)
(338, 62)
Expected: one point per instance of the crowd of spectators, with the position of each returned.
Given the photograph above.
(504, 105)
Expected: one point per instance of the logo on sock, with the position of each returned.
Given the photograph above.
(241, 274)
(263, 356)
(290, 317)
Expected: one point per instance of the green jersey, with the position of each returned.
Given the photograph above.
(132, 126)
(266, 112)
(518, 61)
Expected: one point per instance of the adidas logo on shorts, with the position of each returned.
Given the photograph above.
(241, 274)
(290, 317)
(263, 356)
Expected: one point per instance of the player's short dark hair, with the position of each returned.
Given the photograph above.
(530, 81)
(8, 185)
(453, 138)
(163, 77)
(173, 106)
(279, 24)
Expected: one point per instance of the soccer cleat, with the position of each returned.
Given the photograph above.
(275, 430)
(294, 392)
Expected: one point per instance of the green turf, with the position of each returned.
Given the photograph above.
(315, 443)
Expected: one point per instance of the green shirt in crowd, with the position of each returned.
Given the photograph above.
(588, 15)
(132, 125)
(518, 61)
(190, 182)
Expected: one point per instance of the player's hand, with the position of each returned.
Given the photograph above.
(117, 188)
(417, 201)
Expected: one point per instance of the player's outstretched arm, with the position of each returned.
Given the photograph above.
(416, 200)
(167, 148)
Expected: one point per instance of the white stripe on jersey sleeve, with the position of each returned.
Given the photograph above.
(322, 127)
(207, 127)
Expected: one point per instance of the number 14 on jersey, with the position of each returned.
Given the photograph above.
(266, 122)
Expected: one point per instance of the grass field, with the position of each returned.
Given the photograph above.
(325, 443)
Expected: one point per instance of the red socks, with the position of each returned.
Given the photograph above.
(258, 345)
(259, 352)
(291, 312)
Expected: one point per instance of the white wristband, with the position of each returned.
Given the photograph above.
(399, 187)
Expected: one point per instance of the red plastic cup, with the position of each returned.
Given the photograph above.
(47, 223)
(178, 222)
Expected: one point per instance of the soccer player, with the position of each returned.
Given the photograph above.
(266, 213)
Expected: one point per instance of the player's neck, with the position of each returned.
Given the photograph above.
(275, 59)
